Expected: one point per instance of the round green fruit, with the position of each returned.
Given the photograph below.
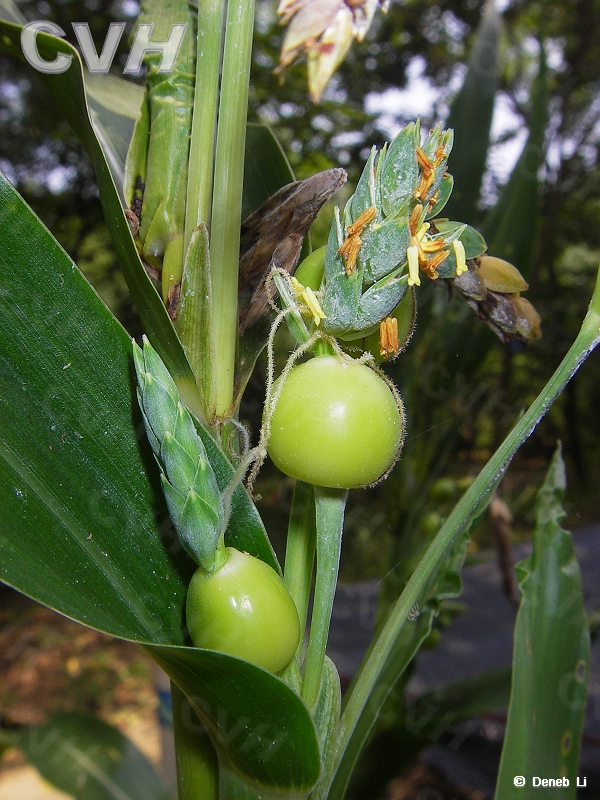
(243, 609)
(310, 271)
(336, 424)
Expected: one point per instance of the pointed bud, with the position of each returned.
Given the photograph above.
(500, 276)
(189, 483)
(529, 322)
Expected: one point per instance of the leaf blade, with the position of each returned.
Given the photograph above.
(247, 711)
(68, 92)
(89, 759)
(552, 642)
(88, 535)
(471, 117)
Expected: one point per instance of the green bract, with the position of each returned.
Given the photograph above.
(245, 610)
(366, 264)
(386, 238)
(336, 423)
(188, 480)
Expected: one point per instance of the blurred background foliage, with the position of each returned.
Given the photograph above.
(463, 388)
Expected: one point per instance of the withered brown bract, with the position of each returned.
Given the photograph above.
(508, 315)
(272, 236)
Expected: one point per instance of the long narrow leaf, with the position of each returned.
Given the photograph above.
(510, 229)
(551, 660)
(411, 724)
(88, 759)
(444, 581)
(378, 659)
(114, 105)
(471, 117)
(68, 92)
(84, 528)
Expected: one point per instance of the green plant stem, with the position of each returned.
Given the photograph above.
(227, 198)
(330, 505)
(360, 700)
(300, 550)
(294, 320)
(204, 123)
(196, 759)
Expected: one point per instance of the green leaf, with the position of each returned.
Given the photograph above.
(361, 702)
(256, 719)
(78, 480)
(551, 659)
(442, 582)
(471, 117)
(408, 724)
(510, 229)
(114, 106)
(84, 528)
(68, 93)
(326, 715)
(89, 759)
(266, 168)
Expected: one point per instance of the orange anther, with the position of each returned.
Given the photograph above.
(388, 337)
(415, 216)
(362, 220)
(352, 243)
(424, 162)
(431, 265)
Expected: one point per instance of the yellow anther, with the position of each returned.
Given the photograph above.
(459, 255)
(309, 298)
(313, 304)
(412, 253)
(422, 231)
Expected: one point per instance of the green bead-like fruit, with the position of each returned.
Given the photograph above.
(243, 609)
(310, 271)
(336, 424)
